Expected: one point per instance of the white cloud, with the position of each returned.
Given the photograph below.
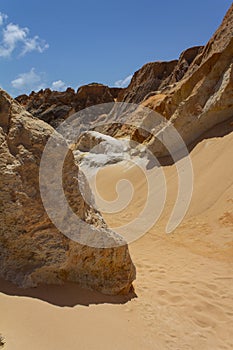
(124, 82)
(26, 82)
(14, 37)
(3, 17)
(34, 81)
(59, 85)
(34, 44)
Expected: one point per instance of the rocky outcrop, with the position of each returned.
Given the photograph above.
(54, 107)
(194, 92)
(185, 60)
(156, 76)
(148, 78)
(203, 97)
(33, 251)
(92, 94)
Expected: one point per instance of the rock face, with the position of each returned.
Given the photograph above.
(33, 251)
(148, 78)
(54, 107)
(194, 92)
(185, 60)
(203, 97)
(156, 76)
(50, 106)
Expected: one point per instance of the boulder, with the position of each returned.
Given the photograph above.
(33, 250)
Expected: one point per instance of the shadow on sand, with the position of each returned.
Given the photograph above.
(219, 130)
(67, 295)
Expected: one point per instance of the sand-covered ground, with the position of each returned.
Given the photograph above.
(184, 289)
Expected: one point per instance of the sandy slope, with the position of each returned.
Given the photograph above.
(184, 281)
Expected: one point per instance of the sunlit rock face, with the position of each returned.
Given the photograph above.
(203, 97)
(194, 92)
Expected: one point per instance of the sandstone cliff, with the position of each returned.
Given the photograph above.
(203, 98)
(148, 78)
(195, 96)
(194, 93)
(156, 76)
(33, 251)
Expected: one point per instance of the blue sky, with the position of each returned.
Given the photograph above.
(71, 43)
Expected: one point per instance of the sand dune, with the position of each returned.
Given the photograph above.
(184, 283)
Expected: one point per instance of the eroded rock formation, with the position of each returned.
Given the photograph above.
(195, 93)
(148, 78)
(203, 97)
(156, 76)
(33, 251)
(54, 107)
